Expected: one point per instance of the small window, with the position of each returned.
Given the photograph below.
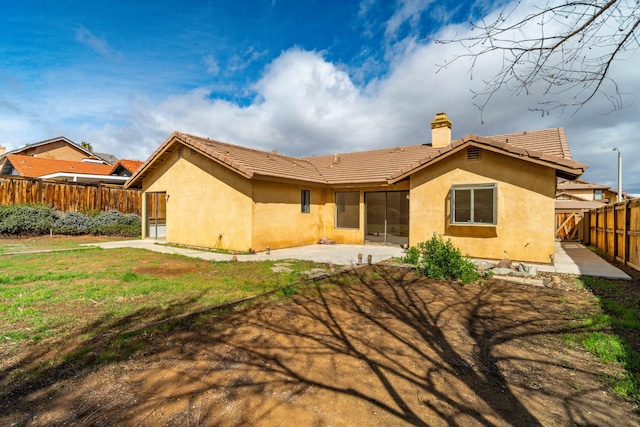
(305, 201)
(348, 210)
(597, 194)
(473, 204)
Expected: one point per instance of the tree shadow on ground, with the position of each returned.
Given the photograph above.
(375, 346)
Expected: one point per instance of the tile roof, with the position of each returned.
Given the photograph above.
(131, 165)
(578, 204)
(49, 141)
(579, 184)
(375, 166)
(550, 141)
(33, 167)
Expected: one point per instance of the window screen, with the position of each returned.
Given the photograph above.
(473, 204)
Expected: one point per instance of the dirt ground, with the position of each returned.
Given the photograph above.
(378, 346)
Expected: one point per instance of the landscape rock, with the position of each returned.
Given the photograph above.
(484, 265)
(502, 271)
(504, 263)
(325, 241)
(529, 269)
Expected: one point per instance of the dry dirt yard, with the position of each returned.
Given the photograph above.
(377, 346)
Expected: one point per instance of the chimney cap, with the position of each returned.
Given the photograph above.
(441, 120)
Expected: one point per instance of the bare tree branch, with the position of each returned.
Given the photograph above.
(564, 51)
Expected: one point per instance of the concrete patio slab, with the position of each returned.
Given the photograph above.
(570, 257)
(575, 258)
(336, 254)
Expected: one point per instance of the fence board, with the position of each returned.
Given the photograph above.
(615, 230)
(69, 196)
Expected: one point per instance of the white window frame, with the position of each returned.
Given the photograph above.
(472, 188)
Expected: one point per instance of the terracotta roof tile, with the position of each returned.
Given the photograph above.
(578, 204)
(373, 166)
(130, 165)
(33, 167)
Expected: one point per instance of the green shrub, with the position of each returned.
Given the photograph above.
(26, 219)
(114, 223)
(72, 223)
(38, 219)
(412, 256)
(441, 260)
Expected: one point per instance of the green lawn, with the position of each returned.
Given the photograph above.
(47, 243)
(92, 290)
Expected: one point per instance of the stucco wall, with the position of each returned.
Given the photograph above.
(56, 150)
(525, 207)
(277, 218)
(205, 199)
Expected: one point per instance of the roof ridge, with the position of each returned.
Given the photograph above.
(240, 147)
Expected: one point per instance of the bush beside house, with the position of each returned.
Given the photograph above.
(37, 219)
(441, 260)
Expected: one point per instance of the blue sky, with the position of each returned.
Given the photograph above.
(313, 77)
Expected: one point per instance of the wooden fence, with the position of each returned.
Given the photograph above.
(615, 230)
(568, 225)
(69, 196)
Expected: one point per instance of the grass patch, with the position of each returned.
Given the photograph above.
(47, 243)
(80, 295)
(610, 331)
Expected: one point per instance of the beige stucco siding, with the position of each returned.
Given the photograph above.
(525, 206)
(56, 150)
(277, 218)
(204, 200)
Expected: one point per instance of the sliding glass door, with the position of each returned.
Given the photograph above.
(387, 217)
(156, 215)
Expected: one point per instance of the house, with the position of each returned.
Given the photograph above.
(492, 196)
(585, 191)
(573, 198)
(59, 148)
(86, 171)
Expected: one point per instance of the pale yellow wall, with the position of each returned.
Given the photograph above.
(56, 150)
(589, 194)
(205, 199)
(277, 218)
(525, 207)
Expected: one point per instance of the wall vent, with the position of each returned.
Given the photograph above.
(179, 153)
(193, 152)
(473, 153)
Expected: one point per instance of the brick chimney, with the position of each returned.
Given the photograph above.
(440, 131)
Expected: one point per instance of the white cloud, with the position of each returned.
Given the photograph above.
(98, 44)
(211, 65)
(304, 104)
(239, 62)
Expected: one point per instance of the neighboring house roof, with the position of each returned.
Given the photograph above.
(579, 184)
(42, 167)
(125, 167)
(575, 205)
(110, 159)
(49, 141)
(386, 165)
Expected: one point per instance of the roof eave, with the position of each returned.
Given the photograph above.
(565, 168)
